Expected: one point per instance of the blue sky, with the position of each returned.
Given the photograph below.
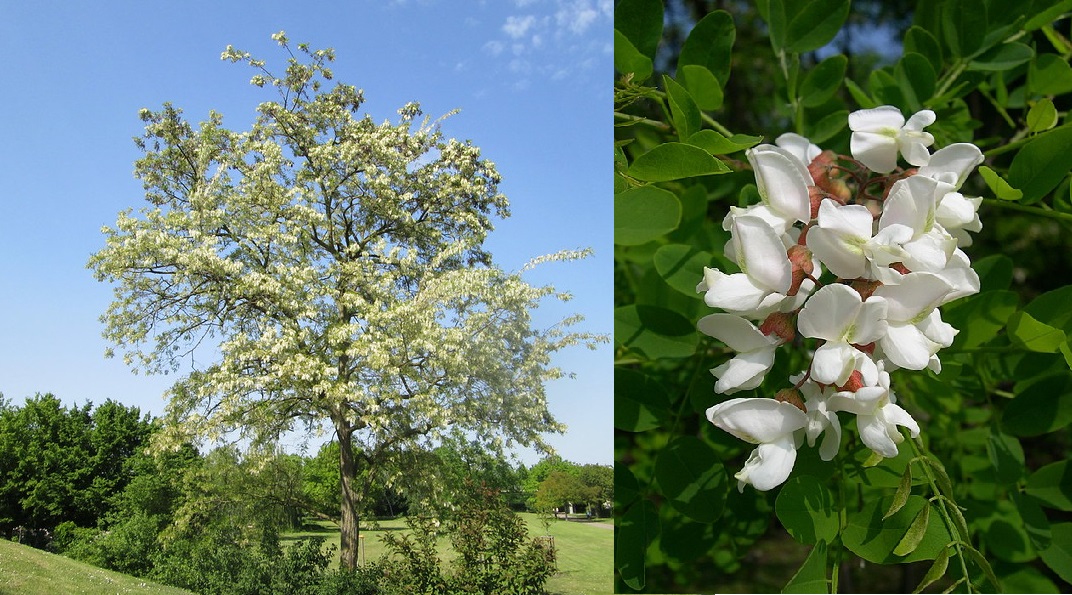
(530, 77)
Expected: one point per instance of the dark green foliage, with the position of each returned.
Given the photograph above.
(62, 464)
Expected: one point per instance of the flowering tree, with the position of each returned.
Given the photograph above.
(869, 381)
(338, 265)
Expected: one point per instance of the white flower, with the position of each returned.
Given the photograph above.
(879, 134)
(915, 331)
(800, 147)
(755, 352)
(836, 314)
(842, 240)
(769, 424)
(821, 418)
(952, 164)
(912, 203)
(765, 277)
(877, 415)
(782, 180)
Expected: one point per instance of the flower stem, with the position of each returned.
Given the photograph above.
(1041, 212)
(958, 539)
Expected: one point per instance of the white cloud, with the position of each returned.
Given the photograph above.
(576, 15)
(494, 47)
(516, 27)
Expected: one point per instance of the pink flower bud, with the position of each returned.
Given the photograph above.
(791, 396)
(779, 324)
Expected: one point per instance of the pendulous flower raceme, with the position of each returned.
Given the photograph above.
(852, 257)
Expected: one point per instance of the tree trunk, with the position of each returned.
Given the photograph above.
(349, 523)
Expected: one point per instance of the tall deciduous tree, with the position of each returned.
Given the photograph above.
(338, 265)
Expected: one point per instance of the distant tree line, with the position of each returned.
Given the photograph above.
(80, 481)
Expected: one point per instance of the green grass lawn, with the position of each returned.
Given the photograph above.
(585, 550)
(29, 571)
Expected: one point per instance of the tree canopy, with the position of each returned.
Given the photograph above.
(337, 265)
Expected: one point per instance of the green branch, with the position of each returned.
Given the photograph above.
(1039, 211)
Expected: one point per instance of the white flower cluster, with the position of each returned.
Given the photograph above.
(891, 238)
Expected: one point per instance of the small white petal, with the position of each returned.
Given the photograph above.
(958, 159)
(737, 333)
(920, 120)
(885, 116)
(743, 372)
(733, 293)
(757, 420)
(829, 313)
(769, 465)
(875, 435)
(801, 148)
(833, 363)
(761, 254)
(914, 297)
(907, 346)
(877, 151)
(782, 180)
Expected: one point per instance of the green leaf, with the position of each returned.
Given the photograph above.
(702, 84)
(1047, 16)
(964, 24)
(628, 59)
(1052, 308)
(823, 81)
(1059, 555)
(1042, 163)
(984, 565)
(1052, 485)
(716, 144)
(828, 126)
(710, 45)
(936, 571)
(874, 539)
(811, 576)
(641, 22)
(814, 24)
(920, 41)
(640, 403)
(980, 317)
(681, 266)
(626, 487)
(1042, 116)
(1034, 335)
(1003, 57)
(692, 478)
(917, 80)
(915, 533)
(1036, 525)
(655, 332)
(673, 161)
(995, 272)
(806, 510)
(643, 214)
(1006, 455)
(862, 99)
(1042, 405)
(1049, 74)
(900, 497)
(634, 532)
(998, 185)
(683, 111)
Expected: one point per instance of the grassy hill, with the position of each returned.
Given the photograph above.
(28, 571)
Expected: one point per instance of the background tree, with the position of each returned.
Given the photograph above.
(560, 489)
(64, 464)
(339, 264)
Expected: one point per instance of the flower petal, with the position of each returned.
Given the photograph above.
(895, 415)
(958, 159)
(885, 116)
(914, 297)
(769, 465)
(757, 420)
(829, 313)
(874, 434)
(920, 120)
(782, 180)
(737, 333)
(877, 151)
(761, 254)
(733, 293)
(833, 363)
(743, 372)
(800, 147)
(907, 346)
